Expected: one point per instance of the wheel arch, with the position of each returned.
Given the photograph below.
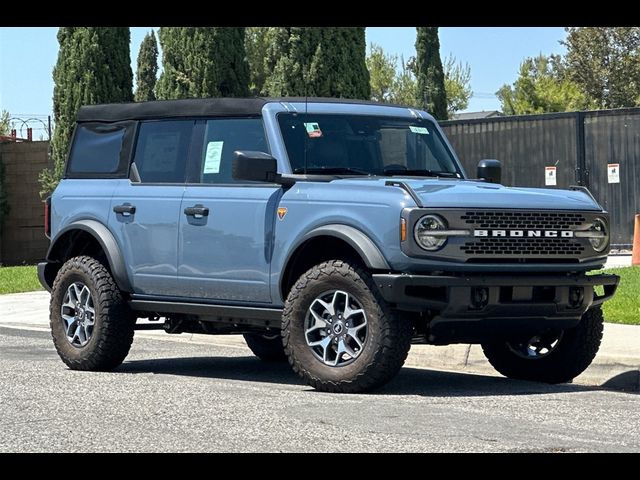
(81, 237)
(325, 243)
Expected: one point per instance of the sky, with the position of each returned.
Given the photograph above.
(28, 54)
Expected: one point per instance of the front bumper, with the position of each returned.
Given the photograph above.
(487, 302)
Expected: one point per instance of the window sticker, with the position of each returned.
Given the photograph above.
(212, 157)
(420, 130)
(313, 130)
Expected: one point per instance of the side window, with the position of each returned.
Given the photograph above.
(222, 137)
(96, 149)
(162, 150)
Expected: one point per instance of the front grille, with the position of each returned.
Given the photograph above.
(523, 246)
(523, 220)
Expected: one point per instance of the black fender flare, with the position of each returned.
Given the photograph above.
(361, 243)
(108, 243)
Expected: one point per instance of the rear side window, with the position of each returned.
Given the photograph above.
(96, 150)
(162, 150)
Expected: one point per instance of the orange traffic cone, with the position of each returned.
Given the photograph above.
(635, 259)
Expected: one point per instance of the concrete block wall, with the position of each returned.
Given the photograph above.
(23, 240)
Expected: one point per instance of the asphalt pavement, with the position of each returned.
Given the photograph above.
(208, 393)
(183, 396)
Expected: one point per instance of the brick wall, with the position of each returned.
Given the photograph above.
(23, 239)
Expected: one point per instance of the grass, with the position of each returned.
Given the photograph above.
(624, 307)
(19, 279)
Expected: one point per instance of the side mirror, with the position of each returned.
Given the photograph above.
(490, 170)
(254, 166)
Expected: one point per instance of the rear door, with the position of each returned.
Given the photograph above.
(226, 232)
(146, 214)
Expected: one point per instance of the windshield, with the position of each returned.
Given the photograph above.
(365, 145)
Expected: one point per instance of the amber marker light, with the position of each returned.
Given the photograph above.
(403, 229)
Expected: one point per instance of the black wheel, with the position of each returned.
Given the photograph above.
(91, 325)
(554, 356)
(338, 332)
(266, 347)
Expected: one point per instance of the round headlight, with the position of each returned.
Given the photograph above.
(600, 240)
(424, 230)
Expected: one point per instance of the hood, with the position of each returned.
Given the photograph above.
(453, 193)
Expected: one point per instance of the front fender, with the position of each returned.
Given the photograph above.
(361, 243)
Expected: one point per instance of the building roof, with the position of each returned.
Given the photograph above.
(195, 107)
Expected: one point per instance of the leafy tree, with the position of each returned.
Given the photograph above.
(256, 44)
(542, 86)
(405, 85)
(382, 73)
(457, 84)
(328, 62)
(605, 64)
(93, 66)
(147, 72)
(431, 93)
(5, 123)
(203, 62)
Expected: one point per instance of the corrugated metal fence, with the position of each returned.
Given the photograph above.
(583, 146)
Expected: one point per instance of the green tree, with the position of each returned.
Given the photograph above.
(457, 84)
(431, 93)
(382, 73)
(542, 86)
(405, 85)
(605, 63)
(147, 73)
(327, 62)
(203, 62)
(93, 66)
(5, 123)
(256, 45)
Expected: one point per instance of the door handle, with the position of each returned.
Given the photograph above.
(197, 211)
(125, 209)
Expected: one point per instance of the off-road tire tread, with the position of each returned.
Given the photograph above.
(577, 349)
(115, 327)
(266, 350)
(393, 344)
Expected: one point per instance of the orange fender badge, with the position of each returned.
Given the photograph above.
(282, 211)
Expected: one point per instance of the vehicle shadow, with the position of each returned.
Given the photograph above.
(410, 381)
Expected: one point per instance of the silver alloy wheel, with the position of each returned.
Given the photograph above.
(78, 314)
(538, 346)
(336, 328)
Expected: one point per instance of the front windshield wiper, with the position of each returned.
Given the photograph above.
(419, 173)
(332, 170)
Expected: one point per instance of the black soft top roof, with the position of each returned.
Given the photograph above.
(194, 107)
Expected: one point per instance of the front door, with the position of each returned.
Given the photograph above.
(145, 215)
(226, 232)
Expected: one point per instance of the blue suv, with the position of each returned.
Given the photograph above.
(332, 233)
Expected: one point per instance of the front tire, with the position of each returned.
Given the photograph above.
(268, 348)
(550, 357)
(338, 332)
(91, 324)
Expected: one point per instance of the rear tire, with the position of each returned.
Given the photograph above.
(91, 324)
(266, 347)
(559, 362)
(339, 333)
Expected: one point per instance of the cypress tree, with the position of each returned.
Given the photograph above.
(203, 62)
(147, 72)
(327, 62)
(431, 94)
(93, 66)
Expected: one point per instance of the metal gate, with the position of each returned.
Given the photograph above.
(580, 145)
